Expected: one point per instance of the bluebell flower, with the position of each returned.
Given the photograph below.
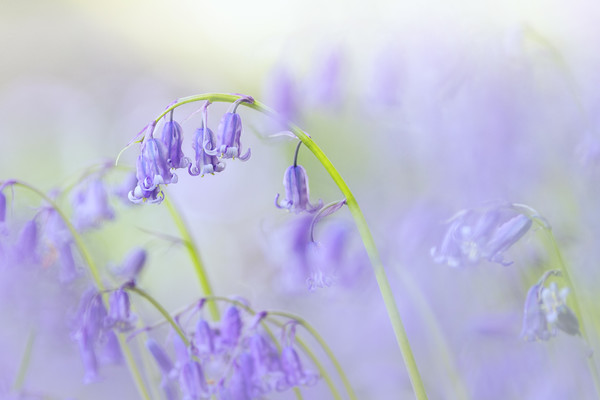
(26, 247)
(206, 161)
(90, 205)
(535, 326)
(294, 372)
(192, 381)
(172, 138)
(475, 235)
(2, 207)
(166, 367)
(152, 171)
(297, 199)
(204, 338)
(558, 314)
(119, 315)
(230, 132)
(132, 264)
(231, 327)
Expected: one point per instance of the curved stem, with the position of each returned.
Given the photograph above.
(195, 256)
(161, 310)
(325, 347)
(359, 219)
(577, 309)
(137, 377)
(334, 392)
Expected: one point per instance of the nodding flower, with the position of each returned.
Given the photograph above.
(230, 132)
(152, 171)
(295, 182)
(486, 234)
(205, 146)
(172, 138)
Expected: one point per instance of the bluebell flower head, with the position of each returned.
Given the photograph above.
(205, 147)
(88, 356)
(231, 327)
(68, 269)
(192, 381)
(558, 314)
(152, 171)
(264, 354)
(2, 207)
(133, 264)
(535, 326)
(27, 242)
(297, 198)
(230, 132)
(90, 205)
(475, 235)
(172, 138)
(204, 338)
(119, 315)
(161, 357)
(294, 372)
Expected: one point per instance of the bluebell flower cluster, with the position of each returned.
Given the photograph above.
(159, 158)
(229, 360)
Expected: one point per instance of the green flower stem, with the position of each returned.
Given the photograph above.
(359, 219)
(161, 310)
(20, 378)
(136, 375)
(195, 256)
(325, 347)
(334, 392)
(566, 274)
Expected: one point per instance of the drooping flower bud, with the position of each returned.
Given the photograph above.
(297, 199)
(119, 314)
(192, 381)
(172, 138)
(152, 171)
(2, 207)
(205, 147)
(133, 263)
(90, 205)
(230, 132)
(204, 338)
(231, 327)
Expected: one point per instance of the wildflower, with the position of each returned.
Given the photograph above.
(295, 182)
(172, 138)
(558, 314)
(192, 381)
(230, 132)
(90, 205)
(2, 207)
(119, 315)
(294, 372)
(204, 338)
(486, 234)
(26, 246)
(205, 146)
(152, 171)
(546, 311)
(231, 327)
(133, 263)
(166, 368)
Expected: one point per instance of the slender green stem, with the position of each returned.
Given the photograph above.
(359, 219)
(137, 377)
(195, 257)
(325, 347)
(161, 310)
(20, 378)
(566, 274)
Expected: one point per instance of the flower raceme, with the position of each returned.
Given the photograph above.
(475, 235)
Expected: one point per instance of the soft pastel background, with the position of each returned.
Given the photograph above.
(426, 108)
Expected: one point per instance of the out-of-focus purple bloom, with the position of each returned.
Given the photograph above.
(68, 270)
(266, 358)
(204, 338)
(119, 315)
(558, 314)
(133, 264)
(297, 198)
(486, 234)
(2, 207)
(172, 138)
(230, 132)
(88, 355)
(231, 327)
(111, 349)
(152, 171)
(27, 242)
(166, 368)
(206, 161)
(295, 374)
(128, 184)
(281, 94)
(535, 326)
(192, 381)
(90, 205)
(325, 83)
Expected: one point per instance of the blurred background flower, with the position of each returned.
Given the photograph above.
(426, 108)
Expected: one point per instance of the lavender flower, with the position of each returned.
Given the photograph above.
(205, 162)
(486, 234)
(119, 316)
(172, 138)
(231, 327)
(204, 338)
(535, 326)
(90, 205)
(296, 200)
(152, 171)
(192, 381)
(230, 132)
